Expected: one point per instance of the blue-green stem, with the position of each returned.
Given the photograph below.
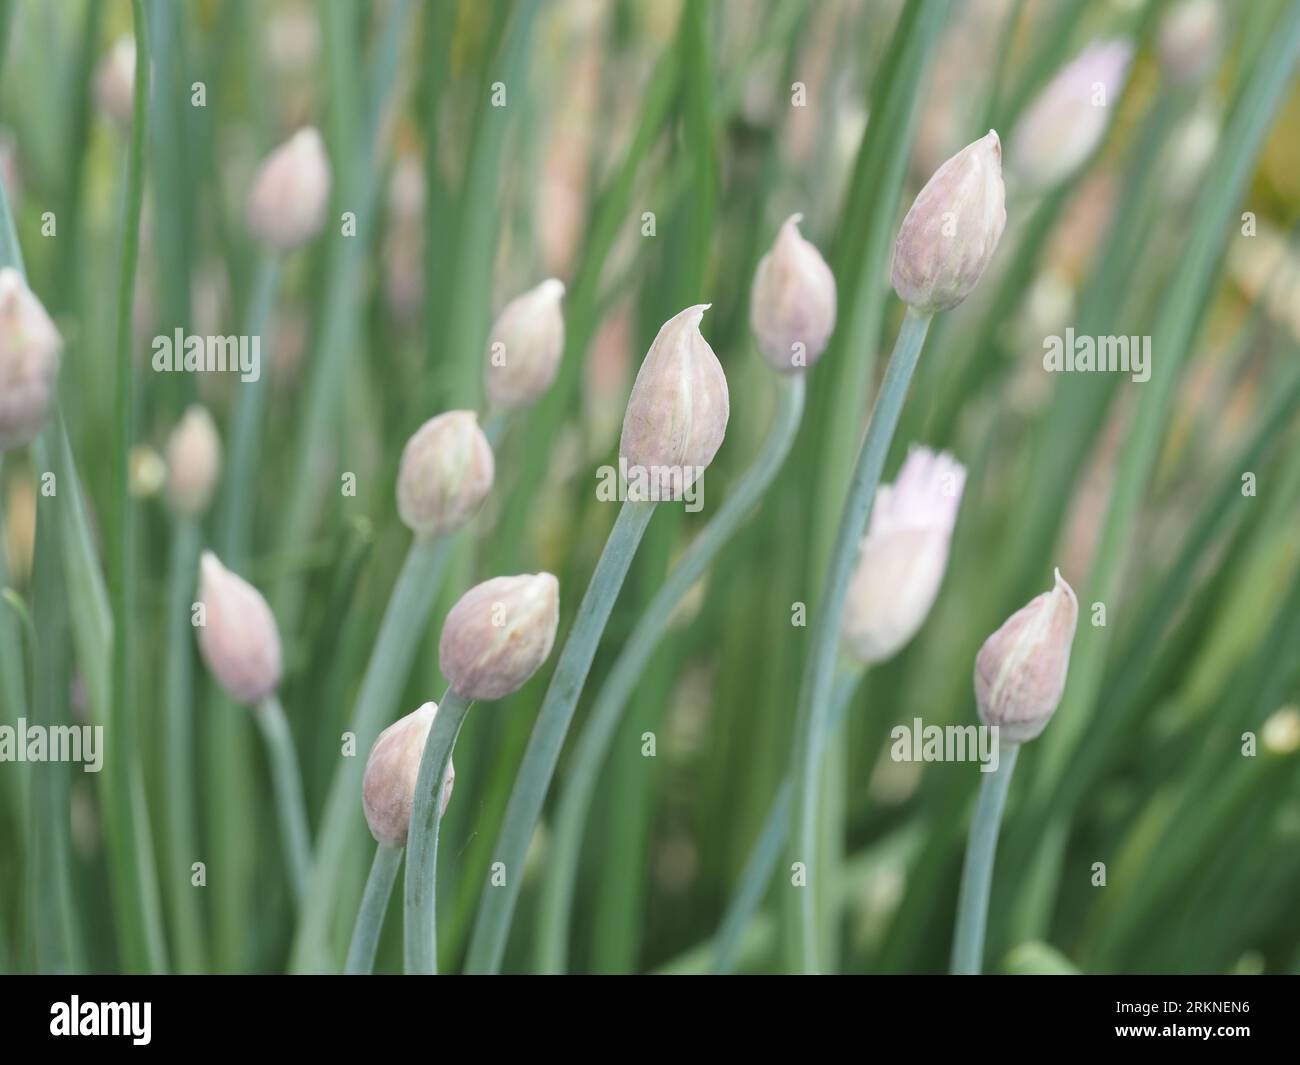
(182, 850)
(290, 807)
(602, 723)
(374, 905)
(977, 873)
(766, 851)
(421, 916)
(496, 906)
(818, 678)
(404, 621)
(135, 888)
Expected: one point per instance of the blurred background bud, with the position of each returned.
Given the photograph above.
(115, 82)
(445, 475)
(239, 639)
(193, 462)
(1190, 40)
(525, 347)
(792, 304)
(286, 204)
(29, 361)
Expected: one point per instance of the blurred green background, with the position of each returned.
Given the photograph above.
(686, 110)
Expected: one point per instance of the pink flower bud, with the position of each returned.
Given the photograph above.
(525, 347)
(29, 361)
(445, 475)
(792, 304)
(499, 633)
(238, 636)
(952, 229)
(193, 462)
(904, 556)
(1190, 40)
(286, 205)
(1064, 125)
(677, 414)
(1020, 671)
(392, 773)
(115, 82)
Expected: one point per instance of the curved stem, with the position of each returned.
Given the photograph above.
(288, 793)
(405, 619)
(977, 873)
(606, 712)
(496, 907)
(374, 905)
(421, 913)
(766, 851)
(815, 690)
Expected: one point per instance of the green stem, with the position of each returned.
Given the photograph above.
(496, 907)
(761, 863)
(421, 913)
(178, 761)
(598, 733)
(288, 793)
(374, 905)
(135, 894)
(977, 873)
(815, 690)
(246, 425)
(404, 622)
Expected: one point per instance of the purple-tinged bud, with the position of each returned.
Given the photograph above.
(392, 773)
(792, 304)
(677, 414)
(1190, 40)
(238, 635)
(952, 230)
(29, 361)
(1064, 125)
(445, 475)
(193, 462)
(1020, 671)
(903, 556)
(286, 205)
(499, 633)
(525, 347)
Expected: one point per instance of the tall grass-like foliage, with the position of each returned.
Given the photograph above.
(413, 313)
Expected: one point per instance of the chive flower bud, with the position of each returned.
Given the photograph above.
(193, 462)
(903, 556)
(392, 772)
(1068, 119)
(286, 204)
(238, 636)
(499, 633)
(29, 361)
(525, 347)
(445, 474)
(1020, 671)
(1189, 40)
(115, 82)
(950, 233)
(677, 414)
(792, 303)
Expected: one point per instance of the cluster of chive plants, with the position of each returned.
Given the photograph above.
(787, 279)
